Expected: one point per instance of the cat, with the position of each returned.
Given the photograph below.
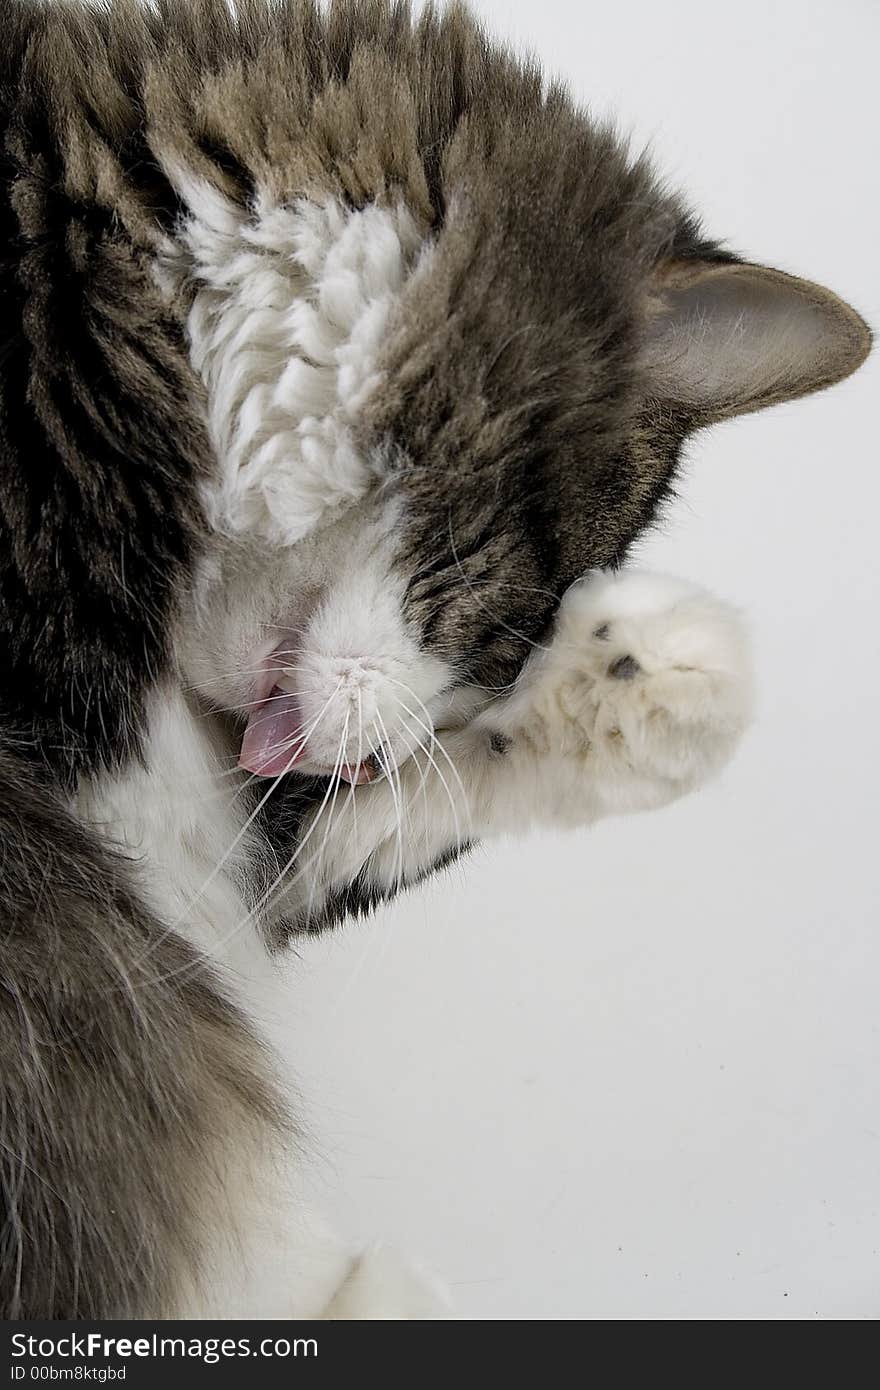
(343, 361)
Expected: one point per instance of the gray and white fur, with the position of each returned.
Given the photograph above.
(342, 361)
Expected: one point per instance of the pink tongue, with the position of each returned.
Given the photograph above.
(272, 743)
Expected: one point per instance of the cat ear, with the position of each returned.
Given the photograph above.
(727, 337)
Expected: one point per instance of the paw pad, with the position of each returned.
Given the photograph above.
(625, 668)
(498, 743)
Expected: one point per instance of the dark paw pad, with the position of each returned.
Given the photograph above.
(625, 668)
(498, 743)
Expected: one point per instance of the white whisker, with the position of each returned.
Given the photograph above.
(470, 586)
(273, 887)
(458, 835)
(435, 742)
(395, 790)
(224, 859)
(336, 779)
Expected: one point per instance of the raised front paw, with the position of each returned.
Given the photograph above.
(646, 682)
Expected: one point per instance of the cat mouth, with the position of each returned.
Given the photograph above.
(275, 742)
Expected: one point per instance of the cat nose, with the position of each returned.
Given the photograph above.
(354, 671)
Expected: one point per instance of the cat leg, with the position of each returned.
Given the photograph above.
(641, 695)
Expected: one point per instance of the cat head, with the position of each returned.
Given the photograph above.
(426, 434)
(337, 346)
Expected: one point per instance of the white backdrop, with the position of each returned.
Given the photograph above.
(632, 1073)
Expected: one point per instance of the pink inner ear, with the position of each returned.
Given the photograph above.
(272, 742)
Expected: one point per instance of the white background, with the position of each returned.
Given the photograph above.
(633, 1072)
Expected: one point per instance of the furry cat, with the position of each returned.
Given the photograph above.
(343, 360)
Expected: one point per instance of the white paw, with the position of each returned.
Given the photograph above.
(382, 1286)
(647, 678)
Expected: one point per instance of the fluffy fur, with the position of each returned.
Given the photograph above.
(343, 361)
(285, 333)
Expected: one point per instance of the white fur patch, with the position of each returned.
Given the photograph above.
(171, 814)
(285, 332)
